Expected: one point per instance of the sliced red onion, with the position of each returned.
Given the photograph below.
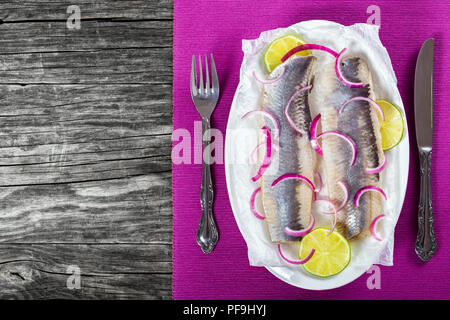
(268, 115)
(344, 202)
(286, 113)
(301, 232)
(363, 190)
(252, 204)
(339, 74)
(338, 57)
(305, 47)
(313, 134)
(371, 101)
(319, 184)
(302, 261)
(373, 226)
(345, 190)
(269, 81)
(267, 156)
(346, 138)
(253, 155)
(293, 176)
(377, 169)
(330, 203)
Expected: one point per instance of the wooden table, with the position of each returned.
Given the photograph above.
(85, 126)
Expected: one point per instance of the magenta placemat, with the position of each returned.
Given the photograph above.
(202, 27)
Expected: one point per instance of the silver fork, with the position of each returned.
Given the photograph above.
(205, 99)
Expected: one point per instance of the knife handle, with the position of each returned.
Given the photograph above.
(425, 242)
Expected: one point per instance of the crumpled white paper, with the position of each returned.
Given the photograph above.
(359, 39)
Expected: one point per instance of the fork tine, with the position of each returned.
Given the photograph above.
(207, 75)
(201, 88)
(215, 80)
(193, 78)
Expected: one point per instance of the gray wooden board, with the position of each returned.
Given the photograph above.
(85, 143)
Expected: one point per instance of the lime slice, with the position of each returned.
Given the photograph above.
(279, 47)
(392, 127)
(332, 253)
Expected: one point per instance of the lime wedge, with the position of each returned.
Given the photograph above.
(332, 253)
(279, 47)
(392, 127)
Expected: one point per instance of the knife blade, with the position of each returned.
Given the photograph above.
(423, 112)
(423, 95)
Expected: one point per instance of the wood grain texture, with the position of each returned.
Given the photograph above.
(94, 35)
(85, 144)
(117, 66)
(36, 271)
(43, 10)
(75, 133)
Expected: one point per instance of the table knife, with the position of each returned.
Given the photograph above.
(423, 113)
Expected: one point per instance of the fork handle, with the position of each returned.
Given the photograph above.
(425, 242)
(207, 234)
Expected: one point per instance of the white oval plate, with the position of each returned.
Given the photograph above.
(239, 142)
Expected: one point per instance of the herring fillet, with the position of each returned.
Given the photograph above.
(288, 204)
(360, 122)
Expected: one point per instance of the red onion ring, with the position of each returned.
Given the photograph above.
(377, 169)
(308, 46)
(286, 113)
(302, 261)
(373, 225)
(339, 74)
(253, 157)
(269, 81)
(293, 176)
(335, 213)
(363, 190)
(371, 101)
(301, 232)
(319, 187)
(267, 156)
(338, 57)
(313, 134)
(346, 138)
(268, 115)
(252, 204)
(346, 193)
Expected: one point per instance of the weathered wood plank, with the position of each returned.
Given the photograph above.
(101, 51)
(106, 271)
(93, 35)
(128, 210)
(75, 133)
(92, 259)
(92, 162)
(20, 10)
(121, 66)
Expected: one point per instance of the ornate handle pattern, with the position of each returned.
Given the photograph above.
(207, 234)
(425, 242)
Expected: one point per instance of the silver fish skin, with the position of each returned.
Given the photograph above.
(288, 204)
(360, 122)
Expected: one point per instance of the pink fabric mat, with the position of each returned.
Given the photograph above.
(203, 27)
